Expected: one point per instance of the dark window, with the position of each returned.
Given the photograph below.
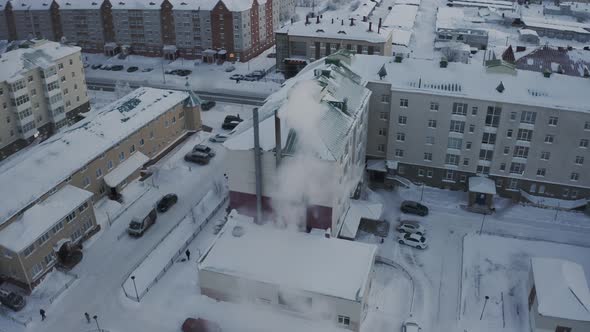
(563, 329)
(317, 50)
(371, 50)
(327, 49)
(359, 49)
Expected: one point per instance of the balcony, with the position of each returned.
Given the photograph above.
(27, 131)
(22, 107)
(50, 79)
(49, 94)
(529, 126)
(58, 114)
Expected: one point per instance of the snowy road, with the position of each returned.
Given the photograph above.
(106, 261)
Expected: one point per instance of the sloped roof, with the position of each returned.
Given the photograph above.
(79, 4)
(480, 184)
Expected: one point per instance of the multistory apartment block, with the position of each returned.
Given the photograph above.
(37, 19)
(42, 88)
(47, 194)
(82, 23)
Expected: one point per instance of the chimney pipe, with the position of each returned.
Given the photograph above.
(351, 21)
(332, 20)
(257, 167)
(306, 20)
(380, 21)
(342, 22)
(291, 20)
(370, 26)
(364, 19)
(278, 140)
(318, 20)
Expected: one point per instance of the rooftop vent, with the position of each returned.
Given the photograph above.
(382, 72)
(547, 73)
(500, 88)
(152, 3)
(94, 3)
(319, 30)
(237, 231)
(342, 32)
(443, 62)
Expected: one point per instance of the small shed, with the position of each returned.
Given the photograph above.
(558, 296)
(528, 36)
(481, 194)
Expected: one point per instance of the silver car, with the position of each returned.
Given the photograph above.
(407, 226)
(219, 138)
(413, 240)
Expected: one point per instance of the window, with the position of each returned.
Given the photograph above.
(503, 167)
(512, 116)
(553, 121)
(141, 142)
(459, 109)
(545, 155)
(381, 147)
(449, 175)
(528, 117)
(433, 106)
(431, 123)
(399, 153)
(36, 270)
(429, 173)
(471, 128)
(401, 137)
(462, 178)
(521, 152)
(509, 133)
(452, 159)
(83, 207)
(574, 176)
(465, 161)
(517, 168)
(482, 169)
(493, 116)
(488, 138)
(513, 184)
(49, 259)
(457, 126)
(86, 181)
(34, 92)
(560, 328)
(421, 172)
(506, 150)
(382, 132)
(343, 320)
(541, 171)
(402, 119)
(121, 155)
(42, 239)
(383, 116)
(152, 134)
(132, 148)
(63, 78)
(468, 146)
(109, 164)
(474, 110)
(486, 155)
(429, 140)
(579, 160)
(29, 250)
(455, 143)
(427, 156)
(549, 139)
(386, 99)
(587, 125)
(403, 103)
(524, 135)
(98, 173)
(583, 143)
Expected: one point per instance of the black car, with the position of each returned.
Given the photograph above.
(95, 67)
(117, 68)
(132, 69)
(197, 157)
(230, 125)
(166, 202)
(204, 149)
(230, 118)
(207, 105)
(12, 300)
(414, 208)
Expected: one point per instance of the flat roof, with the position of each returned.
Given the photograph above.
(475, 81)
(401, 16)
(340, 29)
(535, 22)
(562, 289)
(30, 175)
(41, 217)
(483, 185)
(291, 259)
(21, 60)
(125, 169)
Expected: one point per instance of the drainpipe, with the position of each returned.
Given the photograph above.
(278, 141)
(257, 167)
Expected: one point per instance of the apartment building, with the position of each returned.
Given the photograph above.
(97, 157)
(82, 23)
(5, 12)
(305, 41)
(42, 88)
(338, 147)
(442, 123)
(37, 19)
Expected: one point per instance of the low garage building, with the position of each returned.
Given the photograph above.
(558, 297)
(315, 276)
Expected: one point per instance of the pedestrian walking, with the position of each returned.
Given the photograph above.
(42, 313)
(87, 317)
(188, 255)
(382, 240)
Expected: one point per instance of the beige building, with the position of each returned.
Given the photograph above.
(309, 40)
(42, 88)
(97, 157)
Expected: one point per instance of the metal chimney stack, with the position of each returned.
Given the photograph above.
(278, 140)
(370, 26)
(257, 167)
(317, 19)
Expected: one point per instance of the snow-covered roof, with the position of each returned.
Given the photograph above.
(21, 60)
(334, 124)
(3, 4)
(31, 4)
(41, 217)
(450, 18)
(46, 165)
(137, 4)
(125, 169)
(357, 211)
(528, 32)
(483, 185)
(536, 22)
(290, 259)
(377, 165)
(408, 2)
(79, 4)
(340, 29)
(476, 82)
(231, 5)
(562, 289)
(401, 37)
(401, 16)
(365, 7)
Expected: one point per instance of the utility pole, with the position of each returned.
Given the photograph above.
(163, 73)
(257, 166)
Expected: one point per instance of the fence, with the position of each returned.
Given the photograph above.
(178, 253)
(389, 262)
(64, 287)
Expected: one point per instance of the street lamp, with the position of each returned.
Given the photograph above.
(422, 193)
(135, 286)
(96, 320)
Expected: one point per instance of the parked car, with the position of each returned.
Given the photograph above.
(105, 67)
(249, 77)
(179, 72)
(166, 202)
(12, 300)
(146, 70)
(139, 225)
(197, 158)
(199, 325)
(229, 118)
(207, 105)
(231, 125)
(411, 326)
(219, 138)
(414, 208)
(204, 149)
(258, 74)
(413, 240)
(407, 226)
(132, 69)
(230, 68)
(97, 66)
(271, 55)
(117, 68)
(236, 77)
